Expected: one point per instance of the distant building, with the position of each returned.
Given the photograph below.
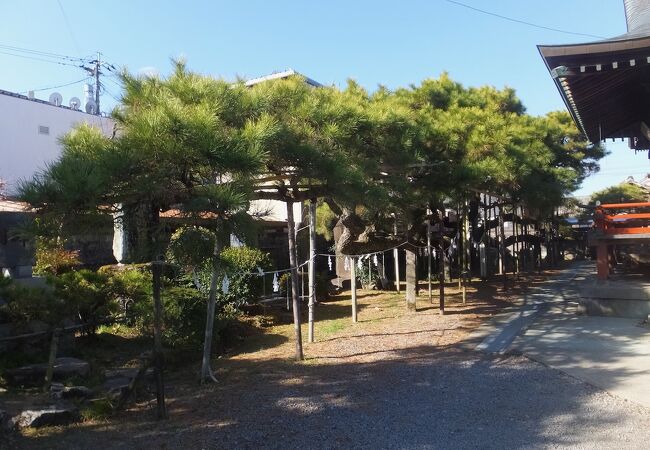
(30, 130)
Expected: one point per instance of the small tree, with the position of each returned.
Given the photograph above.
(185, 143)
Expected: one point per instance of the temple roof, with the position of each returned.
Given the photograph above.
(606, 84)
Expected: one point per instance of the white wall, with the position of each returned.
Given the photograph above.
(275, 210)
(23, 150)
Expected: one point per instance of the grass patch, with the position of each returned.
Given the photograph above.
(100, 409)
(333, 327)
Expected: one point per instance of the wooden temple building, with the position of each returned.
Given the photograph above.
(606, 84)
(606, 87)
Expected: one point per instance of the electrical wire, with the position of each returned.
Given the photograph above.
(29, 51)
(55, 87)
(67, 23)
(61, 63)
(522, 22)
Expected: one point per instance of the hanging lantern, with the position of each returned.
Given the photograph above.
(276, 285)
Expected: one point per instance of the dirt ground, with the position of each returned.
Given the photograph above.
(331, 400)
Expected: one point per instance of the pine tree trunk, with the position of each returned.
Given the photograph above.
(206, 371)
(411, 280)
(293, 262)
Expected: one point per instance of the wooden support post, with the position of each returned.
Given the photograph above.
(602, 263)
(353, 287)
(396, 257)
(502, 246)
(487, 236)
(429, 259)
(411, 280)
(293, 262)
(156, 271)
(312, 267)
(515, 245)
(441, 278)
(467, 244)
(49, 373)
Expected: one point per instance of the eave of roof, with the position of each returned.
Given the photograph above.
(285, 74)
(600, 81)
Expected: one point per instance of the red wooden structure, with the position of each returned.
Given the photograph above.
(619, 223)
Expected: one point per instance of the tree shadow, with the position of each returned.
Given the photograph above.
(421, 397)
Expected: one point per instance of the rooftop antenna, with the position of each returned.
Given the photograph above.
(74, 103)
(56, 99)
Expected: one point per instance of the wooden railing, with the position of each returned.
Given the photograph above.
(635, 219)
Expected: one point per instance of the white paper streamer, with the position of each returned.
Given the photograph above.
(360, 264)
(346, 264)
(260, 272)
(329, 262)
(276, 285)
(374, 260)
(225, 285)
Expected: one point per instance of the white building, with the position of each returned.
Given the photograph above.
(30, 130)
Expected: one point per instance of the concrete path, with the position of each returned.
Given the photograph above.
(607, 352)
(497, 335)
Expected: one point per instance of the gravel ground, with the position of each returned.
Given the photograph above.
(394, 380)
(449, 399)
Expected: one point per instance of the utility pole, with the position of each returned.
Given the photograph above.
(98, 63)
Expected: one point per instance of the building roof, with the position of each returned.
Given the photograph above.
(38, 100)
(8, 205)
(606, 84)
(285, 74)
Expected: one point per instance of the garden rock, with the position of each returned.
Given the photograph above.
(35, 373)
(128, 372)
(6, 330)
(48, 416)
(4, 419)
(58, 391)
(116, 388)
(58, 414)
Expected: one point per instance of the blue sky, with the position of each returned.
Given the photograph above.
(375, 42)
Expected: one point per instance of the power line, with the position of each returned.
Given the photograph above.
(67, 22)
(40, 53)
(522, 22)
(55, 87)
(34, 58)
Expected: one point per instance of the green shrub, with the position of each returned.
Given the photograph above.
(241, 265)
(368, 280)
(25, 304)
(184, 317)
(322, 284)
(86, 294)
(128, 288)
(53, 259)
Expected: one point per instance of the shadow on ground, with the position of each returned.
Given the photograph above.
(426, 397)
